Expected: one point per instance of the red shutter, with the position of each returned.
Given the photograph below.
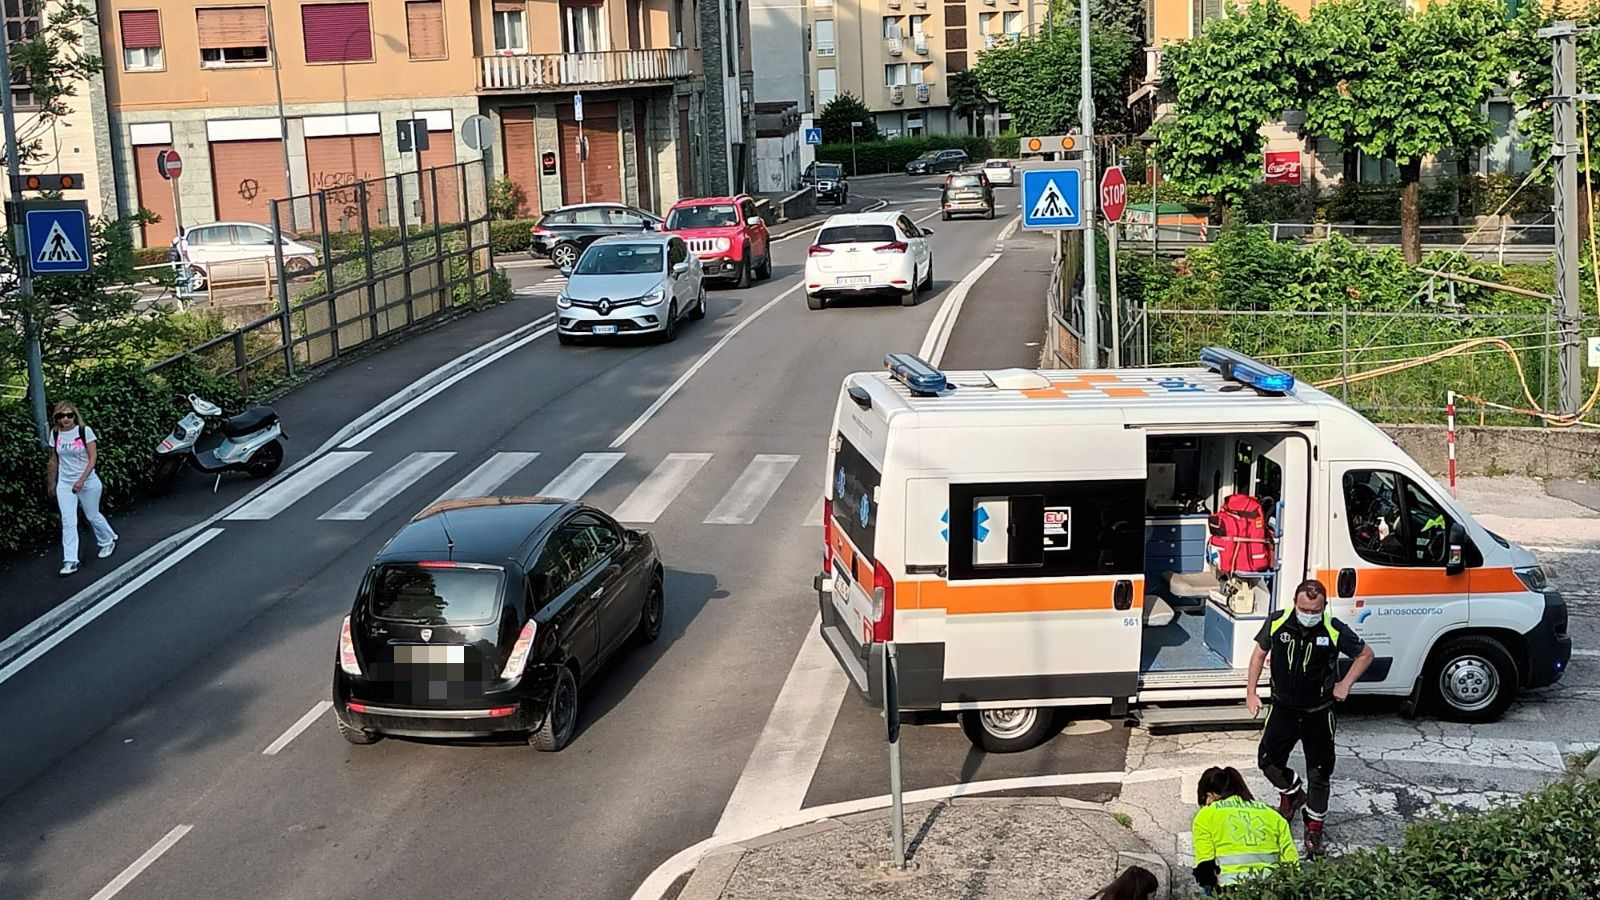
(141, 30)
(337, 32)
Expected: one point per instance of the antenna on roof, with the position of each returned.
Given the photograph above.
(449, 542)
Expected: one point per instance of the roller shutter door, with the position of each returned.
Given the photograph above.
(245, 175)
(335, 165)
(441, 152)
(155, 194)
(522, 154)
(604, 168)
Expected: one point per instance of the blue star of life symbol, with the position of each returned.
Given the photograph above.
(838, 482)
(980, 530)
(866, 510)
(945, 520)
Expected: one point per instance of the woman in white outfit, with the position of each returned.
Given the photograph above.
(72, 476)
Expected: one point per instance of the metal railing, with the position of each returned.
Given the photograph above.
(534, 71)
(1519, 241)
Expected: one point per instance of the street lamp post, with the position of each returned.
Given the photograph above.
(853, 169)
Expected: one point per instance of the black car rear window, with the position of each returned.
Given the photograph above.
(557, 218)
(855, 481)
(426, 595)
(857, 234)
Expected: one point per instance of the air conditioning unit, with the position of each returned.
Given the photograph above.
(897, 94)
(919, 42)
(991, 41)
(924, 93)
(895, 46)
(825, 50)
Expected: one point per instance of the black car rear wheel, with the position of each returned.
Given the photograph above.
(564, 256)
(562, 719)
(655, 607)
(353, 734)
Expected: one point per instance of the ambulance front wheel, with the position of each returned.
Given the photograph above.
(1472, 678)
(1007, 730)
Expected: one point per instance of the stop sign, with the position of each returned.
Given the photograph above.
(1113, 194)
(169, 164)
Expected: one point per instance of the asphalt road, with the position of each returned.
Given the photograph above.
(135, 749)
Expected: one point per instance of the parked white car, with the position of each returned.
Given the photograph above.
(1000, 172)
(869, 253)
(223, 252)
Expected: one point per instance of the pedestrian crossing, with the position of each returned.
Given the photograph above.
(549, 287)
(648, 488)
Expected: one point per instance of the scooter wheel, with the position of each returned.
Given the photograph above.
(266, 460)
(164, 473)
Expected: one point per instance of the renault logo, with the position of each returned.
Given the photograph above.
(427, 634)
(605, 307)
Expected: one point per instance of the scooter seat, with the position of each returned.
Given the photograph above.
(251, 420)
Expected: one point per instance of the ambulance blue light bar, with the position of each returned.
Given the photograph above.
(915, 374)
(1244, 370)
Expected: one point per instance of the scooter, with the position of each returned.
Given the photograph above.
(252, 443)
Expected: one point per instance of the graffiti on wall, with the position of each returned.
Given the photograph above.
(342, 193)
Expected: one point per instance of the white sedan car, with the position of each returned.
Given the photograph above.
(1000, 172)
(869, 253)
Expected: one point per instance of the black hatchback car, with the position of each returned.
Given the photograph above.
(489, 615)
(561, 235)
(937, 162)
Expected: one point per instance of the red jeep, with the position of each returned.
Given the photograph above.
(728, 236)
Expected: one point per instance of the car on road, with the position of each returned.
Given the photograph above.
(727, 235)
(937, 162)
(639, 285)
(869, 253)
(966, 194)
(239, 252)
(561, 235)
(1000, 172)
(488, 615)
(829, 181)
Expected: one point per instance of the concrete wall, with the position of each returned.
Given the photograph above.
(1538, 452)
(777, 163)
(777, 35)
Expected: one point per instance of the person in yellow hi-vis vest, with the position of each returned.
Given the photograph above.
(1235, 834)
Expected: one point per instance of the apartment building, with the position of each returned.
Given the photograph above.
(277, 98)
(897, 55)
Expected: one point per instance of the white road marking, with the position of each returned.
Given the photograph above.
(1584, 550)
(944, 322)
(487, 477)
(286, 493)
(779, 771)
(805, 231)
(1010, 229)
(653, 495)
(111, 600)
(439, 388)
(578, 478)
(1578, 652)
(375, 494)
(814, 517)
(299, 726)
(144, 862)
(749, 495)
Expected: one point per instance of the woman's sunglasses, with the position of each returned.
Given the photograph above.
(65, 417)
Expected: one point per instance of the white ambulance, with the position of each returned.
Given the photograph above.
(1037, 539)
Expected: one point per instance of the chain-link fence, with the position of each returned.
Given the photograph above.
(356, 263)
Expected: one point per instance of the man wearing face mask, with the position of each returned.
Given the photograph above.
(1304, 643)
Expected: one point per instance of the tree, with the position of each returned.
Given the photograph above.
(967, 98)
(1037, 78)
(52, 62)
(839, 113)
(1528, 55)
(1245, 70)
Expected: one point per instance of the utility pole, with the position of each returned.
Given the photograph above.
(1564, 97)
(20, 238)
(1091, 298)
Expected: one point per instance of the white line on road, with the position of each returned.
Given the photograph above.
(653, 495)
(287, 493)
(578, 478)
(1585, 550)
(944, 322)
(1010, 229)
(779, 771)
(1578, 652)
(749, 495)
(814, 517)
(439, 388)
(488, 476)
(139, 865)
(375, 494)
(299, 726)
(111, 599)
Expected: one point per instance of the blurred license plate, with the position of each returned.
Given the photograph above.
(855, 279)
(605, 329)
(420, 655)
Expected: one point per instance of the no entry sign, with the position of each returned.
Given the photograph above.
(169, 164)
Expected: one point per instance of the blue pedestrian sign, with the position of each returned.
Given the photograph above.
(58, 238)
(814, 137)
(1053, 198)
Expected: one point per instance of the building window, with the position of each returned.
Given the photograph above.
(824, 34)
(1201, 12)
(1011, 23)
(891, 27)
(914, 125)
(986, 23)
(917, 23)
(1046, 529)
(141, 39)
(1505, 153)
(894, 75)
(22, 24)
(232, 36)
(583, 29)
(337, 32)
(510, 30)
(919, 73)
(425, 29)
(823, 4)
(827, 87)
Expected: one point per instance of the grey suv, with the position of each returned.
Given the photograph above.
(936, 162)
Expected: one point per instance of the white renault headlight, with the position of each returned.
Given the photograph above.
(655, 297)
(563, 301)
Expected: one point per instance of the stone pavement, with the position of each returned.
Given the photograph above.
(969, 847)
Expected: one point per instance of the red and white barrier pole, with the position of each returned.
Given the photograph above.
(1450, 436)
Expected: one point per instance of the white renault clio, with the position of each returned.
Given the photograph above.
(869, 253)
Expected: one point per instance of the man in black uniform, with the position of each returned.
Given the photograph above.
(1305, 643)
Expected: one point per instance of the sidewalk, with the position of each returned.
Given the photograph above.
(1003, 318)
(969, 847)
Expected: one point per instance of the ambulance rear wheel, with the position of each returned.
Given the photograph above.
(1006, 730)
(1471, 679)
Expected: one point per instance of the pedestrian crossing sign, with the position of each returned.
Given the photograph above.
(1053, 198)
(58, 237)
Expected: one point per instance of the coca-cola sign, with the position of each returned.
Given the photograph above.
(1283, 166)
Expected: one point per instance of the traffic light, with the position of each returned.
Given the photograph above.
(65, 182)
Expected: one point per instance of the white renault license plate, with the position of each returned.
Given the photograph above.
(855, 279)
(605, 329)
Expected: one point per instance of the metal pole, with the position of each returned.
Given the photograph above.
(1091, 298)
(891, 701)
(583, 162)
(41, 423)
(1565, 150)
(285, 325)
(853, 170)
(1344, 352)
(1450, 435)
(283, 123)
(1116, 309)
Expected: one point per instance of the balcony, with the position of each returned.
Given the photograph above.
(825, 50)
(897, 94)
(924, 93)
(559, 71)
(895, 46)
(919, 43)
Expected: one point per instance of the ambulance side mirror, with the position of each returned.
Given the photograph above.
(1455, 559)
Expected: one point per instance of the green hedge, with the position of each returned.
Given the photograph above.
(879, 157)
(1008, 145)
(1544, 845)
(511, 235)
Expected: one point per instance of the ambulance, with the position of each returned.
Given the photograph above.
(1034, 539)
